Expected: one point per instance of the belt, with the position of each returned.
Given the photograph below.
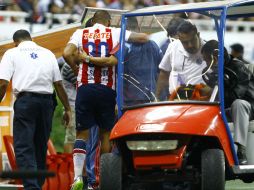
(33, 94)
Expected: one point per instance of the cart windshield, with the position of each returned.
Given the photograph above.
(171, 67)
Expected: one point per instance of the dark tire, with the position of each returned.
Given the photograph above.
(195, 186)
(110, 172)
(212, 170)
(248, 179)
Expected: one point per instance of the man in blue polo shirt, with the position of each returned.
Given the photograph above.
(140, 68)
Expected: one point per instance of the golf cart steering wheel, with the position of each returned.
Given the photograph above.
(211, 78)
(190, 92)
(230, 78)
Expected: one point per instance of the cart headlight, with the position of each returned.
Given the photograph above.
(154, 145)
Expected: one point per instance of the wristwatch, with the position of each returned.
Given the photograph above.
(87, 59)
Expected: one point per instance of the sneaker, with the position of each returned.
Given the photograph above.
(92, 187)
(78, 184)
(241, 154)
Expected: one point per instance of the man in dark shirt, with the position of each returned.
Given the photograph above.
(238, 94)
(237, 51)
(140, 68)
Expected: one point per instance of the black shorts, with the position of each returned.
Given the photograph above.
(95, 105)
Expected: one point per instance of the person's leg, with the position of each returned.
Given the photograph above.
(70, 131)
(106, 117)
(42, 133)
(105, 143)
(70, 134)
(84, 120)
(93, 156)
(24, 125)
(79, 152)
(241, 111)
(103, 97)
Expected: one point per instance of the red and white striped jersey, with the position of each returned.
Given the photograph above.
(97, 41)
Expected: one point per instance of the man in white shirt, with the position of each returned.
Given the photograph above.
(33, 71)
(182, 62)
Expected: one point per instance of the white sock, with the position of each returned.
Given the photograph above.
(78, 161)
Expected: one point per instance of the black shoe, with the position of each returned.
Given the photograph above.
(241, 154)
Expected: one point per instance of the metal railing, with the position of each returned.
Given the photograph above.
(21, 17)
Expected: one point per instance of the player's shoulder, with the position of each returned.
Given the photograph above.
(113, 28)
(79, 31)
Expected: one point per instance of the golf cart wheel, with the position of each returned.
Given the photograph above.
(212, 170)
(248, 179)
(110, 172)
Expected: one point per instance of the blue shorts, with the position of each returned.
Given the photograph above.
(95, 105)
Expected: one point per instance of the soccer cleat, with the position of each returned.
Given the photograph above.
(78, 184)
(92, 187)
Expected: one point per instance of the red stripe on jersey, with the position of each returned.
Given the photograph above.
(84, 79)
(97, 70)
(85, 40)
(97, 42)
(110, 70)
(110, 77)
(109, 41)
(97, 74)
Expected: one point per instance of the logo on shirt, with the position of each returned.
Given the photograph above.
(34, 55)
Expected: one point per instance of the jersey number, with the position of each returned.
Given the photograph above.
(95, 50)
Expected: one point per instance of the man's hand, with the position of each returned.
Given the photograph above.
(71, 56)
(206, 91)
(162, 83)
(82, 55)
(64, 99)
(3, 88)
(67, 118)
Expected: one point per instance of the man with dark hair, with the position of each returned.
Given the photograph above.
(34, 71)
(237, 51)
(101, 16)
(171, 32)
(69, 82)
(95, 101)
(239, 97)
(182, 61)
(21, 35)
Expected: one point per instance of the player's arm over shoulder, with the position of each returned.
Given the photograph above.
(138, 37)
